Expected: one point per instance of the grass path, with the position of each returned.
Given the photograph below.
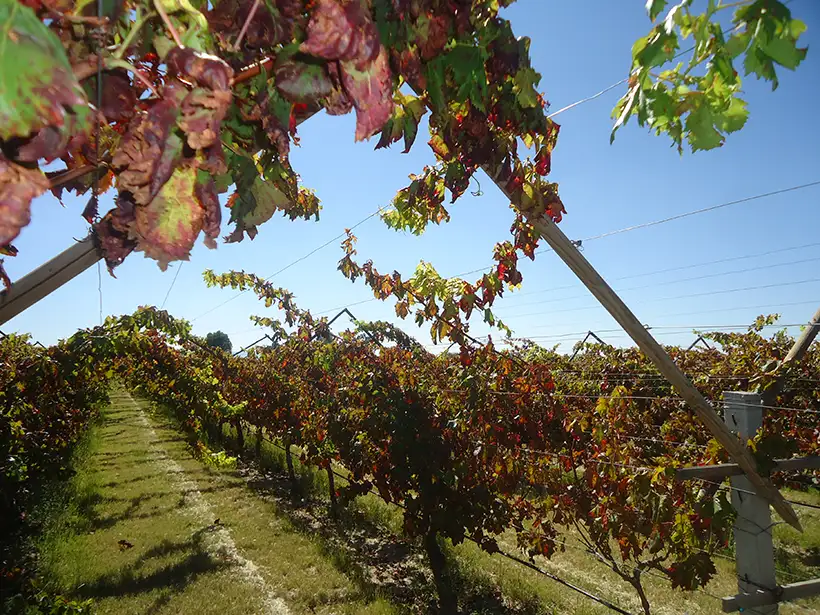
(154, 531)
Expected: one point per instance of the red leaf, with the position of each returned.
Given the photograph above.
(18, 186)
(372, 93)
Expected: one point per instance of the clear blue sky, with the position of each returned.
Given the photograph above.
(580, 48)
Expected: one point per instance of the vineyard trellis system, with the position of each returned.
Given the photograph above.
(199, 98)
(324, 388)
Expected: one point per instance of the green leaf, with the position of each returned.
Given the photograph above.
(526, 80)
(37, 86)
(737, 44)
(735, 117)
(702, 134)
(785, 52)
(760, 64)
(465, 65)
(411, 128)
(655, 7)
(167, 227)
(624, 109)
(657, 49)
(434, 73)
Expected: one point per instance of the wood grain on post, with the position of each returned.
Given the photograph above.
(585, 272)
(47, 278)
(804, 341)
(797, 352)
(721, 471)
(792, 591)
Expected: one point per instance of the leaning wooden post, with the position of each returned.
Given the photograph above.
(47, 278)
(754, 549)
(797, 352)
(581, 267)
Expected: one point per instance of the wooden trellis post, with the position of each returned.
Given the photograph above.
(581, 267)
(47, 278)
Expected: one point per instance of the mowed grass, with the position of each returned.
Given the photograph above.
(492, 584)
(174, 556)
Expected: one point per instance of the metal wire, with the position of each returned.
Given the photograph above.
(727, 291)
(682, 267)
(170, 288)
(96, 180)
(668, 282)
(292, 263)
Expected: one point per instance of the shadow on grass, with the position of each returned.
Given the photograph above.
(360, 546)
(173, 577)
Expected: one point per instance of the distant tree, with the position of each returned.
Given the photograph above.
(218, 339)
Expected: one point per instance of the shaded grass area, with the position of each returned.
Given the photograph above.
(25, 590)
(134, 537)
(489, 584)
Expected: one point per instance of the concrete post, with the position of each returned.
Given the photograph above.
(754, 550)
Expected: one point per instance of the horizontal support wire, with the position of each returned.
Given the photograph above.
(747, 492)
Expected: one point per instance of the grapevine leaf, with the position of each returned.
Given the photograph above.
(655, 7)
(118, 97)
(304, 82)
(347, 33)
(204, 107)
(258, 198)
(18, 186)
(167, 227)
(526, 82)
(206, 192)
(735, 116)
(37, 86)
(371, 90)
(702, 133)
(337, 102)
(151, 148)
(266, 29)
(431, 35)
(466, 63)
(195, 35)
(342, 31)
(113, 234)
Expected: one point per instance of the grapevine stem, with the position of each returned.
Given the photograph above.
(117, 63)
(168, 24)
(132, 34)
(245, 26)
(252, 71)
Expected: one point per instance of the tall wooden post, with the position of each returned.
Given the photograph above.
(754, 549)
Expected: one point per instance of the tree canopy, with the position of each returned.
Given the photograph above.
(219, 339)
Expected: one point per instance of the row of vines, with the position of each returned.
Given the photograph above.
(47, 398)
(469, 444)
